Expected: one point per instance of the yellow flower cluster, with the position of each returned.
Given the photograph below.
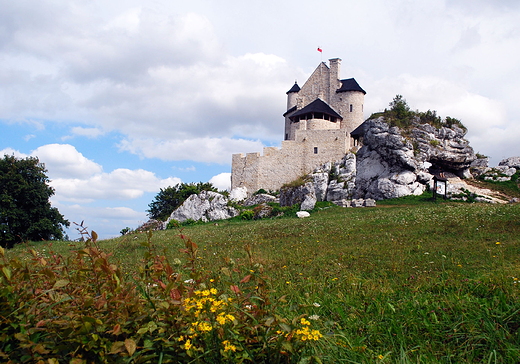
(208, 312)
(305, 333)
(203, 302)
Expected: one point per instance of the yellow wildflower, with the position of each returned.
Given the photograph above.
(187, 345)
(228, 346)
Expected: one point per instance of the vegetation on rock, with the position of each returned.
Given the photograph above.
(400, 115)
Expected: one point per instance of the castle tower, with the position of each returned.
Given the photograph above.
(319, 118)
(344, 97)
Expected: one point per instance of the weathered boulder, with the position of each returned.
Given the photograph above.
(206, 206)
(304, 195)
(320, 180)
(512, 162)
(302, 214)
(336, 191)
(261, 198)
(445, 148)
(480, 166)
(262, 211)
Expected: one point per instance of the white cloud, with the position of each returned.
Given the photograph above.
(87, 132)
(64, 161)
(211, 150)
(13, 152)
(221, 181)
(120, 184)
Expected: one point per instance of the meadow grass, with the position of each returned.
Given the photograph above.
(425, 283)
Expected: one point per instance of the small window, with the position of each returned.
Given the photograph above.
(315, 150)
(351, 107)
(286, 136)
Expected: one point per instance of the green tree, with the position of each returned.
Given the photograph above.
(169, 198)
(25, 210)
(399, 109)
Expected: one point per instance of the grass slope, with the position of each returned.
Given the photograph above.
(426, 283)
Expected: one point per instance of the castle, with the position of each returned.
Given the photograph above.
(319, 120)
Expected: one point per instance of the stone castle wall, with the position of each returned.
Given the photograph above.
(295, 158)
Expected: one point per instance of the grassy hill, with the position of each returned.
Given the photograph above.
(424, 283)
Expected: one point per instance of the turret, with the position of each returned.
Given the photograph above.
(292, 101)
(292, 95)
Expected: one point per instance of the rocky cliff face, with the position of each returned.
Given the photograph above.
(395, 163)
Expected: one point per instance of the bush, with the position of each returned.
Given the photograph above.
(172, 224)
(85, 310)
(247, 215)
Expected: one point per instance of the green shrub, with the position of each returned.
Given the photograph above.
(172, 224)
(190, 222)
(247, 215)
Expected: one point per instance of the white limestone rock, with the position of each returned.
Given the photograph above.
(512, 162)
(261, 198)
(206, 206)
(302, 214)
(309, 202)
(320, 181)
(297, 195)
(238, 194)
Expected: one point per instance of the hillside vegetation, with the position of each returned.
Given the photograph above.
(424, 283)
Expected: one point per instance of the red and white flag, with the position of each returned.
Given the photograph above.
(320, 50)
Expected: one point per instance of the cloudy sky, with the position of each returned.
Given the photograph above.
(122, 97)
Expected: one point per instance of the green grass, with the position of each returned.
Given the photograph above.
(421, 283)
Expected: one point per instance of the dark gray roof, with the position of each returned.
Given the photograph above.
(359, 131)
(350, 84)
(317, 105)
(295, 88)
(289, 111)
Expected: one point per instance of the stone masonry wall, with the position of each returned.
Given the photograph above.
(294, 159)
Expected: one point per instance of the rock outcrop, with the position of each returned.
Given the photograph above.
(304, 195)
(206, 206)
(394, 163)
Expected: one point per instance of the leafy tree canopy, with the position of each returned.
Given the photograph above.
(169, 198)
(25, 210)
